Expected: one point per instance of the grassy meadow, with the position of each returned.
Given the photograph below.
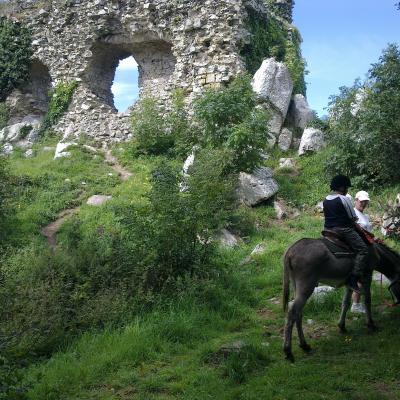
(215, 337)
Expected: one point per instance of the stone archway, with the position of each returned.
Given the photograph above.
(156, 64)
(33, 97)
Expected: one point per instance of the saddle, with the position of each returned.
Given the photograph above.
(336, 245)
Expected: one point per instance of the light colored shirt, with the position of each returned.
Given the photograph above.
(363, 220)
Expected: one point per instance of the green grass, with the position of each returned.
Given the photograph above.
(175, 349)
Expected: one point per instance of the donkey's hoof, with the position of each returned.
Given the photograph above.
(289, 356)
(342, 328)
(306, 347)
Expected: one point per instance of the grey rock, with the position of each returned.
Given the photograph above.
(61, 149)
(321, 291)
(311, 141)
(257, 187)
(29, 153)
(98, 200)
(280, 210)
(286, 163)
(7, 149)
(228, 239)
(285, 139)
(299, 114)
(272, 83)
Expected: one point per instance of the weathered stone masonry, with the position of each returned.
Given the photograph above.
(185, 44)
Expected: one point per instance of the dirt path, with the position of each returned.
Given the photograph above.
(50, 231)
(123, 173)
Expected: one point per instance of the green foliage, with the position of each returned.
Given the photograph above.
(60, 99)
(273, 38)
(178, 124)
(15, 55)
(228, 118)
(295, 62)
(150, 129)
(5, 196)
(268, 40)
(365, 125)
(10, 381)
(244, 362)
(4, 115)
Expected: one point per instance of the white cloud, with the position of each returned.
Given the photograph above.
(128, 64)
(124, 89)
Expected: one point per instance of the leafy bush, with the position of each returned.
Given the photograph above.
(4, 115)
(5, 195)
(150, 128)
(295, 62)
(268, 40)
(228, 118)
(365, 125)
(15, 55)
(113, 262)
(60, 99)
(274, 38)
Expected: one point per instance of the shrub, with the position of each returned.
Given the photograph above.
(60, 99)
(5, 196)
(150, 128)
(365, 125)
(15, 55)
(295, 62)
(268, 40)
(4, 115)
(227, 118)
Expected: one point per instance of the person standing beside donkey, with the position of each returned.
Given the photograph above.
(341, 218)
(361, 202)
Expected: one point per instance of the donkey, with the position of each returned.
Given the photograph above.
(308, 262)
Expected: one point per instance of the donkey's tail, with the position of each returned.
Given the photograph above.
(286, 281)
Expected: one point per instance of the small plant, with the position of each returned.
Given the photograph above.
(60, 99)
(4, 115)
(228, 118)
(15, 55)
(150, 129)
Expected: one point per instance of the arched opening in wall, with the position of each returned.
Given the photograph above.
(125, 87)
(155, 65)
(33, 97)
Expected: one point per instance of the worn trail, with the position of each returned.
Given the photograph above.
(50, 230)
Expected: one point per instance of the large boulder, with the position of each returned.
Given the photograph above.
(22, 134)
(61, 149)
(311, 141)
(299, 114)
(257, 187)
(273, 84)
(285, 139)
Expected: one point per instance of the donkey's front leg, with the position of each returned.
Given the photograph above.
(367, 299)
(345, 308)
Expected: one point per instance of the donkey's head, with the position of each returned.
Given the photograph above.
(390, 266)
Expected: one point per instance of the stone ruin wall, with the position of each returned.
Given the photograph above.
(188, 44)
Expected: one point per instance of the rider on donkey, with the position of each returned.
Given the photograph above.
(341, 218)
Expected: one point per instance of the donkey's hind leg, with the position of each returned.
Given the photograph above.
(295, 315)
(345, 308)
(303, 344)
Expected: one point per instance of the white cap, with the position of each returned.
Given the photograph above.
(362, 195)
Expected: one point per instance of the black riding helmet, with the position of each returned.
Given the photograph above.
(340, 181)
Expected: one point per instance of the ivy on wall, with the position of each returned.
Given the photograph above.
(272, 37)
(15, 55)
(60, 99)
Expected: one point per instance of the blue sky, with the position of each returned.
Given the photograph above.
(341, 39)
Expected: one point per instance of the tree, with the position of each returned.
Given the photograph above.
(15, 55)
(365, 124)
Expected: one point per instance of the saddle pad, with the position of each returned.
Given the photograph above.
(336, 250)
